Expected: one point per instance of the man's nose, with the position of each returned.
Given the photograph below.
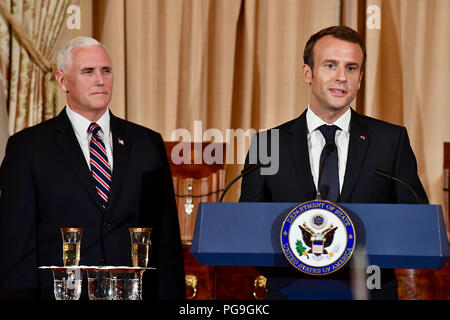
(98, 78)
(340, 74)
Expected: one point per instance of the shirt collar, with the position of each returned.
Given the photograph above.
(313, 121)
(80, 124)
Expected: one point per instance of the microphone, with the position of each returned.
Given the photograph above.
(329, 148)
(386, 174)
(244, 172)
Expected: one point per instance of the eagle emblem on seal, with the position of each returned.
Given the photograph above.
(317, 242)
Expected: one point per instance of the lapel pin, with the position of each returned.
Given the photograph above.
(363, 137)
(120, 140)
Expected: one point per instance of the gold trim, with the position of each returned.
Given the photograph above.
(191, 281)
(71, 229)
(260, 285)
(139, 229)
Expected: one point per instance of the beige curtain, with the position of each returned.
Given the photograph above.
(228, 63)
(26, 48)
(408, 82)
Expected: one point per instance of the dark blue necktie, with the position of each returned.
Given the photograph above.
(329, 182)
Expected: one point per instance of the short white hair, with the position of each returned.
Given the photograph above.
(64, 58)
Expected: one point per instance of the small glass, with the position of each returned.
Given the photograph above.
(71, 245)
(140, 246)
(99, 284)
(126, 283)
(67, 283)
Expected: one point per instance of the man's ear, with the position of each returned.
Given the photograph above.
(307, 73)
(60, 79)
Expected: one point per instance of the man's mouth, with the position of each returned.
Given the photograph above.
(338, 92)
(99, 93)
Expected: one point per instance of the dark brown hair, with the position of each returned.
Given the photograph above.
(340, 32)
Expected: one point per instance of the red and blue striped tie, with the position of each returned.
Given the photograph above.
(100, 168)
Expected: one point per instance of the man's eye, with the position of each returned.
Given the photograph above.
(87, 71)
(351, 68)
(329, 66)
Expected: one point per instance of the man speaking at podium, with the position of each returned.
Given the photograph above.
(334, 151)
(48, 181)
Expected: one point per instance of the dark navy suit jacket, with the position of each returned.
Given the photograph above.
(46, 184)
(373, 144)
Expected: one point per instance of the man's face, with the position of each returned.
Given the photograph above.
(89, 81)
(337, 74)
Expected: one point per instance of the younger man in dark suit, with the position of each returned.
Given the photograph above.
(53, 176)
(334, 60)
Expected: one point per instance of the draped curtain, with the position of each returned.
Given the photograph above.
(408, 82)
(227, 63)
(28, 32)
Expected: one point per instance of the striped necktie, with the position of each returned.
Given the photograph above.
(100, 168)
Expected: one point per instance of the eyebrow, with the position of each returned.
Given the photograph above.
(93, 68)
(353, 63)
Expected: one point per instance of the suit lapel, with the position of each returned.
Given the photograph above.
(121, 150)
(357, 149)
(298, 146)
(70, 148)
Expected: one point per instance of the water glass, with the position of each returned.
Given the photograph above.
(126, 283)
(99, 284)
(67, 283)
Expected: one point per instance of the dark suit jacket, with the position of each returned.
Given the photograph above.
(373, 144)
(46, 184)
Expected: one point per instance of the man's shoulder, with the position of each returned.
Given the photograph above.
(287, 126)
(34, 133)
(139, 134)
(137, 129)
(378, 125)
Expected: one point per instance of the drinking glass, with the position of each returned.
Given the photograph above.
(71, 245)
(67, 283)
(140, 246)
(125, 283)
(140, 250)
(99, 284)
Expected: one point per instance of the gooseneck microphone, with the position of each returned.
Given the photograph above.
(387, 175)
(244, 172)
(329, 148)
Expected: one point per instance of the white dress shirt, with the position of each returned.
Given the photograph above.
(80, 126)
(316, 142)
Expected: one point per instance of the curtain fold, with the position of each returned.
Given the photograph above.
(407, 79)
(227, 63)
(30, 84)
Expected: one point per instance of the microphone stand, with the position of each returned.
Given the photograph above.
(386, 174)
(244, 172)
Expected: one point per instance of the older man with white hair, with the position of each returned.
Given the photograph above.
(86, 168)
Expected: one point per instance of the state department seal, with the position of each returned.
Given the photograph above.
(318, 237)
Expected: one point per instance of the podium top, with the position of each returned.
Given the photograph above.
(248, 234)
